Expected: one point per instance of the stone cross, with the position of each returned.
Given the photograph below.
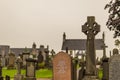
(104, 50)
(53, 52)
(90, 28)
(104, 47)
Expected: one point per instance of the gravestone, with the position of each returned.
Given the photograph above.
(8, 77)
(90, 28)
(0, 60)
(47, 58)
(52, 53)
(1, 78)
(114, 66)
(30, 69)
(11, 61)
(81, 72)
(18, 76)
(3, 61)
(3, 58)
(25, 55)
(115, 51)
(62, 68)
(105, 65)
(39, 60)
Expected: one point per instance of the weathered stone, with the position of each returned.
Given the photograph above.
(105, 63)
(115, 51)
(30, 69)
(90, 28)
(40, 57)
(18, 76)
(8, 77)
(114, 67)
(90, 78)
(25, 55)
(81, 72)
(0, 71)
(11, 61)
(62, 68)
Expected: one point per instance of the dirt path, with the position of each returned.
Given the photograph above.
(44, 79)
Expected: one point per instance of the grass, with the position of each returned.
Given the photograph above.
(100, 73)
(42, 73)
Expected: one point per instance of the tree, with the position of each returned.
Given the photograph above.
(113, 23)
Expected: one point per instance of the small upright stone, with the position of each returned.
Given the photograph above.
(11, 61)
(18, 76)
(30, 69)
(114, 66)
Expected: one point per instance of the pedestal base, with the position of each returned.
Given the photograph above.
(90, 78)
(30, 78)
(18, 77)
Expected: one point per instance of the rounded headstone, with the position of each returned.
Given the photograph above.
(115, 51)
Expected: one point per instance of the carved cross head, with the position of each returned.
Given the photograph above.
(91, 26)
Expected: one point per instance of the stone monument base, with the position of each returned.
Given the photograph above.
(18, 77)
(90, 78)
(30, 78)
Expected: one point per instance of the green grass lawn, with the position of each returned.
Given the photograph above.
(42, 73)
(100, 73)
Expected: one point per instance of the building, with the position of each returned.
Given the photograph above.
(75, 45)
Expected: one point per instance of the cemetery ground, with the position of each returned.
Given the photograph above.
(40, 74)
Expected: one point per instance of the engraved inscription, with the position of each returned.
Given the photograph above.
(61, 67)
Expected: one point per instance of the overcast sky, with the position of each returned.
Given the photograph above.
(23, 22)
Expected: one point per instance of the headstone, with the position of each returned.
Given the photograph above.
(90, 28)
(114, 67)
(25, 55)
(3, 58)
(115, 51)
(11, 62)
(40, 57)
(6, 60)
(81, 73)
(8, 77)
(74, 67)
(104, 47)
(1, 78)
(0, 70)
(18, 76)
(105, 65)
(45, 53)
(34, 50)
(0, 60)
(47, 58)
(52, 53)
(30, 69)
(62, 68)
(3, 61)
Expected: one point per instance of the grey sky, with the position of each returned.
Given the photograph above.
(23, 22)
